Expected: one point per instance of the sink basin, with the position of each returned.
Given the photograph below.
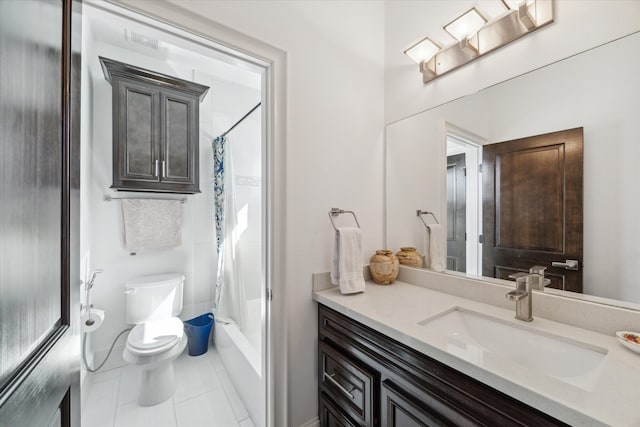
(480, 339)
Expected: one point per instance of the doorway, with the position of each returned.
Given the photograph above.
(463, 200)
(236, 84)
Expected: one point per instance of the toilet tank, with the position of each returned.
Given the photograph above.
(153, 297)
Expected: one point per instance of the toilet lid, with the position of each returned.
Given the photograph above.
(155, 336)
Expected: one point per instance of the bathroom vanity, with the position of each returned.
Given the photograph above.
(364, 374)
(388, 357)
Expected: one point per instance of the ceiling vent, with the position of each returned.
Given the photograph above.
(135, 37)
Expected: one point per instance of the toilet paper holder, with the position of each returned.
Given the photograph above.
(89, 322)
(91, 319)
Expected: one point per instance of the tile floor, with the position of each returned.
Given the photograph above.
(204, 397)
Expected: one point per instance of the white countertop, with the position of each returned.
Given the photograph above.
(396, 310)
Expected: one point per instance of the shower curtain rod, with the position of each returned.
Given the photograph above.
(240, 121)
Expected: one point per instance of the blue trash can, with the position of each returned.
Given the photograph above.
(198, 330)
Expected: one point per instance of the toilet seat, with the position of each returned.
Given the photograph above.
(156, 336)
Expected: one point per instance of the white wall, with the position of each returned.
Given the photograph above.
(577, 26)
(224, 104)
(334, 138)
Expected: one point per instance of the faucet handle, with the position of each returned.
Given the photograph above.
(537, 269)
(522, 280)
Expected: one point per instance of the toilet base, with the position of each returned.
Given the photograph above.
(157, 385)
(157, 382)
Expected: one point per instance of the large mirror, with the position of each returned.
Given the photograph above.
(434, 163)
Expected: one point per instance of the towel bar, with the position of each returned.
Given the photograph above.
(335, 212)
(108, 198)
(419, 213)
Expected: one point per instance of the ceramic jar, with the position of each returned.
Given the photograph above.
(410, 257)
(384, 267)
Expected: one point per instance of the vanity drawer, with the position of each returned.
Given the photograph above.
(347, 383)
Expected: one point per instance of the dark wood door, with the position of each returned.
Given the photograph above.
(456, 213)
(532, 206)
(39, 166)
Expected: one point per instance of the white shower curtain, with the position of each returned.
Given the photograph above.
(230, 301)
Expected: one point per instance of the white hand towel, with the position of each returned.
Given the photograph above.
(436, 248)
(346, 265)
(151, 224)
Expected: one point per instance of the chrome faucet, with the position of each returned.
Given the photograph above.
(522, 296)
(538, 282)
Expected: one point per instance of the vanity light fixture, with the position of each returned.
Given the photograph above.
(476, 37)
(527, 14)
(466, 25)
(422, 51)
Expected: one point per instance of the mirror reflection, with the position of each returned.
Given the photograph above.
(539, 170)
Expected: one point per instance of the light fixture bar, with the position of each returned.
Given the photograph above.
(529, 16)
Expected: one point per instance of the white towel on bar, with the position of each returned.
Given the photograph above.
(346, 265)
(436, 248)
(151, 224)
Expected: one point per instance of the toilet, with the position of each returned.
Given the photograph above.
(152, 304)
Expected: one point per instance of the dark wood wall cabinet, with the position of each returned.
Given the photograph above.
(155, 129)
(368, 379)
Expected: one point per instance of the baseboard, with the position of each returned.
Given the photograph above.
(314, 422)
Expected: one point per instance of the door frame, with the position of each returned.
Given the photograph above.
(474, 231)
(273, 61)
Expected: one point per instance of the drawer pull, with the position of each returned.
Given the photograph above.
(337, 384)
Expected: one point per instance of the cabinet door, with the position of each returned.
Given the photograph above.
(136, 151)
(330, 415)
(179, 141)
(403, 409)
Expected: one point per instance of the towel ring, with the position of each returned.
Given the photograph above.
(335, 212)
(420, 212)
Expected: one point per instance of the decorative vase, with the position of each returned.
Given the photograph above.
(409, 256)
(384, 267)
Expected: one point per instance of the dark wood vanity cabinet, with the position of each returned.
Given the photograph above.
(368, 379)
(155, 129)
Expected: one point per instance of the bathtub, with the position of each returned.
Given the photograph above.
(241, 355)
